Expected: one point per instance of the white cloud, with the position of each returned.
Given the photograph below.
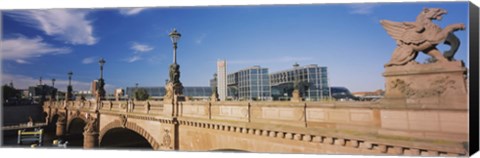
(21, 48)
(284, 59)
(200, 39)
(137, 47)
(362, 9)
(134, 59)
(21, 61)
(67, 25)
(89, 60)
(131, 11)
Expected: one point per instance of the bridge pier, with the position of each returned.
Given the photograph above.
(61, 126)
(90, 140)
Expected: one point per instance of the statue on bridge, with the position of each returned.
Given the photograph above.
(441, 83)
(421, 35)
(100, 92)
(174, 87)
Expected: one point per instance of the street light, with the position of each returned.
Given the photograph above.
(69, 87)
(175, 36)
(295, 76)
(70, 78)
(53, 82)
(101, 62)
(101, 91)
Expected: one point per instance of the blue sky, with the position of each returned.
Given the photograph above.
(347, 38)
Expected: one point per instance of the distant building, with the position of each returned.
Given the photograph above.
(94, 87)
(367, 96)
(222, 79)
(40, 93)
(252, 83)
(88, 95)
(312, 79)
(202, 93)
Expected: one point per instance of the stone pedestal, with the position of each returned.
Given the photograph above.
(214, 97)
(90, 140)
(296, 96)
(171, 106)
(60, 131)
(435, 85)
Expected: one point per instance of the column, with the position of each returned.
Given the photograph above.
(90, 140)
(90, 133)
(60, 131)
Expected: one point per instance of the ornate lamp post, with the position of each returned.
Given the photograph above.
(42, 91)
(135, 92)
(101, 62)
(54, 91)
(175, 36)
(101, 82)
(53, 82)
(69, 87)
(70, 78)
(174, 86)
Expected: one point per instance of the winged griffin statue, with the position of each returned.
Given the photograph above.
(422, 35)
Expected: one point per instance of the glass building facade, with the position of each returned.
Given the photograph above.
(312, 81)
(249, 84)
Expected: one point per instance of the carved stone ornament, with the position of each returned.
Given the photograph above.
(168, 91)
(61, 117)
(147, 106)
(421, 35)
(76, 113)
(91, 125)
(436, 88)
(123, 121)
(167, 140)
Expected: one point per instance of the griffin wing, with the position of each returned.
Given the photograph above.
(406, 32)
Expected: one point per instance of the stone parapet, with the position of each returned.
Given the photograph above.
(388, 129)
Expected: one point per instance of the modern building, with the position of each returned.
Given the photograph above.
(312, 82)
(201, 93)
(342, 94)
(94, 87)
(222, 80)
(252, 83)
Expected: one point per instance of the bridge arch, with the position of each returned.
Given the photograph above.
(130, 126)
(52, 122)
(73, 117)
(75, 131)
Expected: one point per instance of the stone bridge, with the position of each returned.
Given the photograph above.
(267, 126)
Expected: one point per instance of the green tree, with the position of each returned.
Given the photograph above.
(141, 94)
